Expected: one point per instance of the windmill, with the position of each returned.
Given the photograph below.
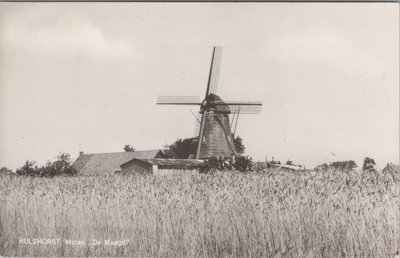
(214, 133)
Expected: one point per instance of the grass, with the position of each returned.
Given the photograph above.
(274, 213)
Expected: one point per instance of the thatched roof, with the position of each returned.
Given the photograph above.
(108, 163)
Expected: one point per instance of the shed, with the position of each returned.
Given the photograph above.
(156, 165)
(109, 163)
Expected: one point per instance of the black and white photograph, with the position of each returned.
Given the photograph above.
(199, 129)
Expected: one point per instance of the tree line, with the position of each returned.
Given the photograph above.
(180, 149)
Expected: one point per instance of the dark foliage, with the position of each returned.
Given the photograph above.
(369, 165)
(241, 163)
(28, 169)
(183, 148)
(346, 165)
(238, 142)
(214, 164)
(128, 148)
(61, 166)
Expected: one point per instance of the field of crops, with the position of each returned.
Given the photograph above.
(273, 213)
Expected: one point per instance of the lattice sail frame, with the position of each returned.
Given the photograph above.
(227, 107)
(242, 107)
(197, 124)
(215, 69)
(178, 100)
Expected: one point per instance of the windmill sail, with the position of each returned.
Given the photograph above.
(178, 100)
(197, 124)
(212, 126)
(214, 71)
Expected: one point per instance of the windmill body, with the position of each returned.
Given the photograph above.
(214, 135)
(217, 138)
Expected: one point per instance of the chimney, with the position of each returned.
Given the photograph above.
(80, 153)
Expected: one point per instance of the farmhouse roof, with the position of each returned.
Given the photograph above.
(291, 167)
(107, 163)
(167, 162)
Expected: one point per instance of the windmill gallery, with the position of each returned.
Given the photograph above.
(213, 134)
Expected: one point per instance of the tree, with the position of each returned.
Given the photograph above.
(28, 169)
(289, 162)
(369, 165)
(243, 163)
(61, 166)
(129, 148)
(346, 165)
(183, 148)
(238, 142)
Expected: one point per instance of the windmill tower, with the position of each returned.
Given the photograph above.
(214, 134)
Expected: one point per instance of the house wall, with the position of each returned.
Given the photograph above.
(136, 167)
(170, 172)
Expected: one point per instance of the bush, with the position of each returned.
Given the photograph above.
(129, 148)
(61, 166)
(369, 165)
(346, 165)
(240, 163)
(184, 148)
(243, 163)
(28, 169)
(215, 164)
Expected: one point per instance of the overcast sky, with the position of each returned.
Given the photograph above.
(85, 76)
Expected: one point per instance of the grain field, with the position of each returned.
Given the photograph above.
(224, 214)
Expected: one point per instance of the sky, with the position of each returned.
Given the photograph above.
(86, 76)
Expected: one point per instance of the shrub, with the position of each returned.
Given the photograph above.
(243, 163)
(215, 164)
(61, 166)
(28, 169)
(369, 165)
(129, 148)
(346, 165)
(184, 148)
(240, 163)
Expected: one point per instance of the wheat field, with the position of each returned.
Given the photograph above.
(225, 214)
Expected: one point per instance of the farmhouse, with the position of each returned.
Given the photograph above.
(158, 166)
(109, 163)
(278, 165)
(287, 167)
